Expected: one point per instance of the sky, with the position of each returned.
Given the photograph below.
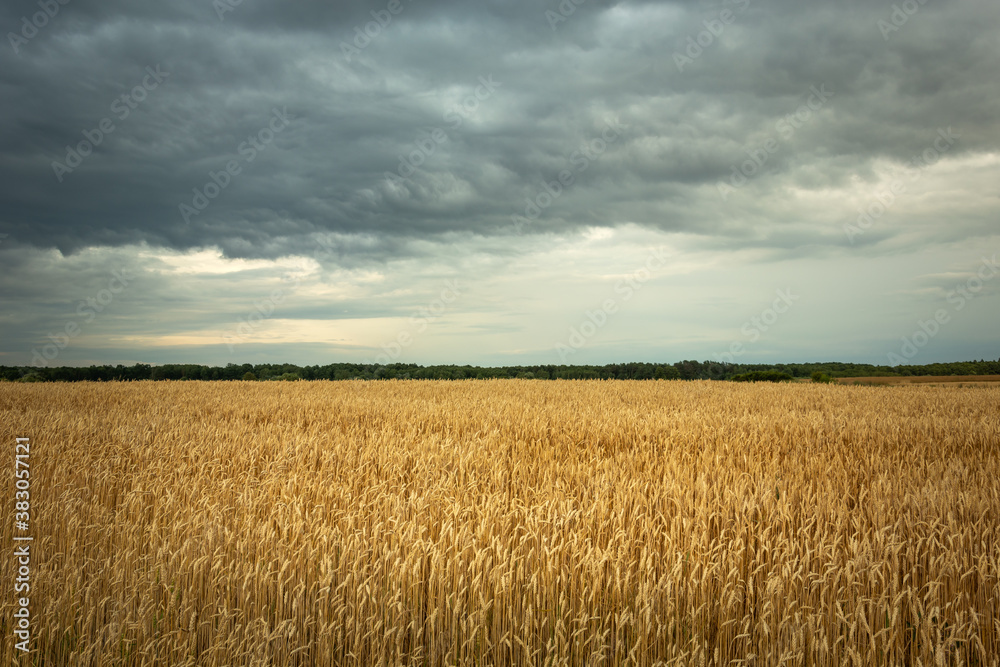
(499, 182)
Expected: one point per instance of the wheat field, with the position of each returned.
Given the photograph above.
(507, 522)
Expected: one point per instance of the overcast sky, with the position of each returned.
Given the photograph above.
(499, 182)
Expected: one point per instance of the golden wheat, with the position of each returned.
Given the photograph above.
(507, 523)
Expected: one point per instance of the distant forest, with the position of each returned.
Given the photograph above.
(682, 370)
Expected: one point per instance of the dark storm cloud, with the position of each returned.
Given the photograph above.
(319, 185)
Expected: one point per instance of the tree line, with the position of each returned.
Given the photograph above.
(681, 370)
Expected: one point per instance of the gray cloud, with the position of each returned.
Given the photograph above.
(318, 188)
(353, 119)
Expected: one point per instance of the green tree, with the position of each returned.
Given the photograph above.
(820, 376)
(763, 376)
